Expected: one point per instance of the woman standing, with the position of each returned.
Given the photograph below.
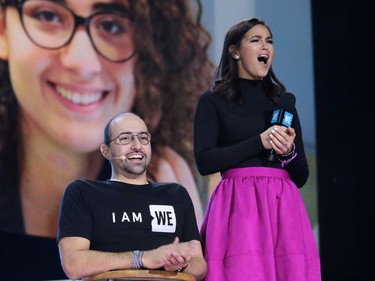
(256, 226)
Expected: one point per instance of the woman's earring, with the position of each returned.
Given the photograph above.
(236, 57)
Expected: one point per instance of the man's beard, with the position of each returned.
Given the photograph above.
(135, 169)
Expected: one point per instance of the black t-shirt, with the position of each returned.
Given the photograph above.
(117, 216)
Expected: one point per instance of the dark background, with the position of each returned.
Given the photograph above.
(343, 68)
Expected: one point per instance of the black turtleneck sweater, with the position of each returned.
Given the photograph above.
(227, 134)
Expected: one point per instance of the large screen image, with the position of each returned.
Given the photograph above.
(57, 93)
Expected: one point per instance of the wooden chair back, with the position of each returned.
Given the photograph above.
(140, 274)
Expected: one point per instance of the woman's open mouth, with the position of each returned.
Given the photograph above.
(263, 59)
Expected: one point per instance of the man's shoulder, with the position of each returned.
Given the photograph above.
(173, 189)
(86, 182)
(79, 185)
(172, 185)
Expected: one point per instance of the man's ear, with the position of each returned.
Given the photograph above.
(104, 149)
(3, 40)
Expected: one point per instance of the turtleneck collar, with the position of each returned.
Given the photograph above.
(251, 89)
(248, 82)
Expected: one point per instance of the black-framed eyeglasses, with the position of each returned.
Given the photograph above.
(128, 137)
(51, 25)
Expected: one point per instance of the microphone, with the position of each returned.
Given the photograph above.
(282, 116)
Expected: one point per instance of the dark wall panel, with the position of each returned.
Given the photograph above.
(344, 76)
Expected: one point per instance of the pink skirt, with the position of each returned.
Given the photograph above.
(256, 229)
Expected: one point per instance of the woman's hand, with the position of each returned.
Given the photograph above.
(278, 138)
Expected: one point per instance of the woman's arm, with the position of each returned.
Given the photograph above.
(298, 168)
(296, 162)
(209, 157)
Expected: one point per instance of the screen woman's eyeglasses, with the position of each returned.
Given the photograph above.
(51, 25)
(128, 137)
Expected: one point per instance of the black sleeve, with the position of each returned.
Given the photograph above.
(209, 157)
(190, 228)
(75, 219)
(298, 167)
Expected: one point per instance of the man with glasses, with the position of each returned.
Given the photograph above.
(128, 221)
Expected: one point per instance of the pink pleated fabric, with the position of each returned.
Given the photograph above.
(256, 229)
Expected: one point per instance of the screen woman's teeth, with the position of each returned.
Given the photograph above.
(79, 98)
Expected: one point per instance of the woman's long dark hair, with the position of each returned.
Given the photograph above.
(173, 69)
(225, 78)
